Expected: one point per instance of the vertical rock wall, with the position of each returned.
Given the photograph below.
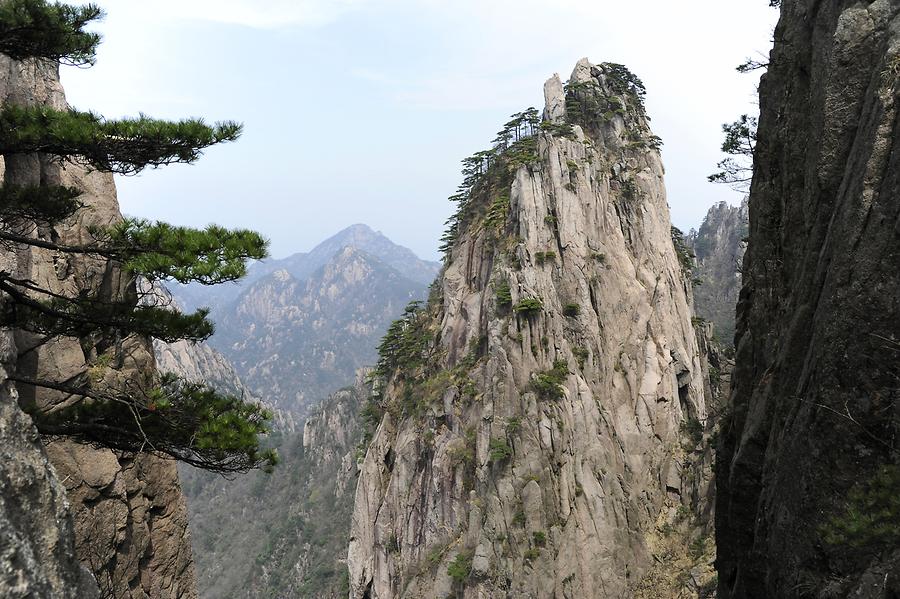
(37, 551)
(130, 517)
(809, 461)
(482, 480)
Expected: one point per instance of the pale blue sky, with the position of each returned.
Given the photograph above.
(360, 110)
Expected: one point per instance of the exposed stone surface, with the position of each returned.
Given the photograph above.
(131, 521)
(816, 410)
(719, 247)
(130, 518)
(525, 494)
(37, 552)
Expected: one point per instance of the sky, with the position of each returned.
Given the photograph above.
(361, 110)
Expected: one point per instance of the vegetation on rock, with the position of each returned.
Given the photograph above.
(167, 416)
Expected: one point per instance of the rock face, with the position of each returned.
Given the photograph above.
(719, 247)
(287, 532)
(37, 550)
(295, 338)
(808, 469)
(532, 441)
(130, 518)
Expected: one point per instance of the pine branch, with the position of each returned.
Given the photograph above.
(161, 251)
(125, 146)
(44, 204)
(39, 29)
(178, 419)
(87, 315)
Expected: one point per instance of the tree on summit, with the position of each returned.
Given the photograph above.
(160, 414)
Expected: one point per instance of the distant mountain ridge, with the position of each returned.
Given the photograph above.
(303, 265)
(298, 328)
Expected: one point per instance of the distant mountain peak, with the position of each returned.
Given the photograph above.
(359, 228)
(377, 247)
(281, 275)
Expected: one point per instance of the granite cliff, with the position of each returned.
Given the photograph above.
(129, 517)
(808, 470)
(536, 427)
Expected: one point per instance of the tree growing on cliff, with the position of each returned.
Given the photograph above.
(740, 140)
(160, 414)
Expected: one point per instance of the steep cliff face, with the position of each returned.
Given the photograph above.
(130, 517)
(808, 472)
(37, 538)
(719, 245)
(533, 439)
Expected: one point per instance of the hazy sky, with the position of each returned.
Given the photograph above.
(360, 110)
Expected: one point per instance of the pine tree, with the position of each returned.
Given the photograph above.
(739, 143)
(161, 414)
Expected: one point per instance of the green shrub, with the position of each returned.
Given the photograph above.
(499, 450)
(715, 376)
(461, 456)
(599, 257)
(532, 554)
(519, 517)
(547, 384)
(683, 251)
(571, 310)
(461, 567)
(698, 547)
(871, 515)
(558, 129)
(539, 537)
(693, 430)
(581, 355)
(504, 295)
(528, 306)
(403, 346)
(436, 554)
(497, 213)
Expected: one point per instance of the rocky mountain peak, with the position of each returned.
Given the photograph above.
(719, 247)
(293, 339)
(527, 435)
(281, 275)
